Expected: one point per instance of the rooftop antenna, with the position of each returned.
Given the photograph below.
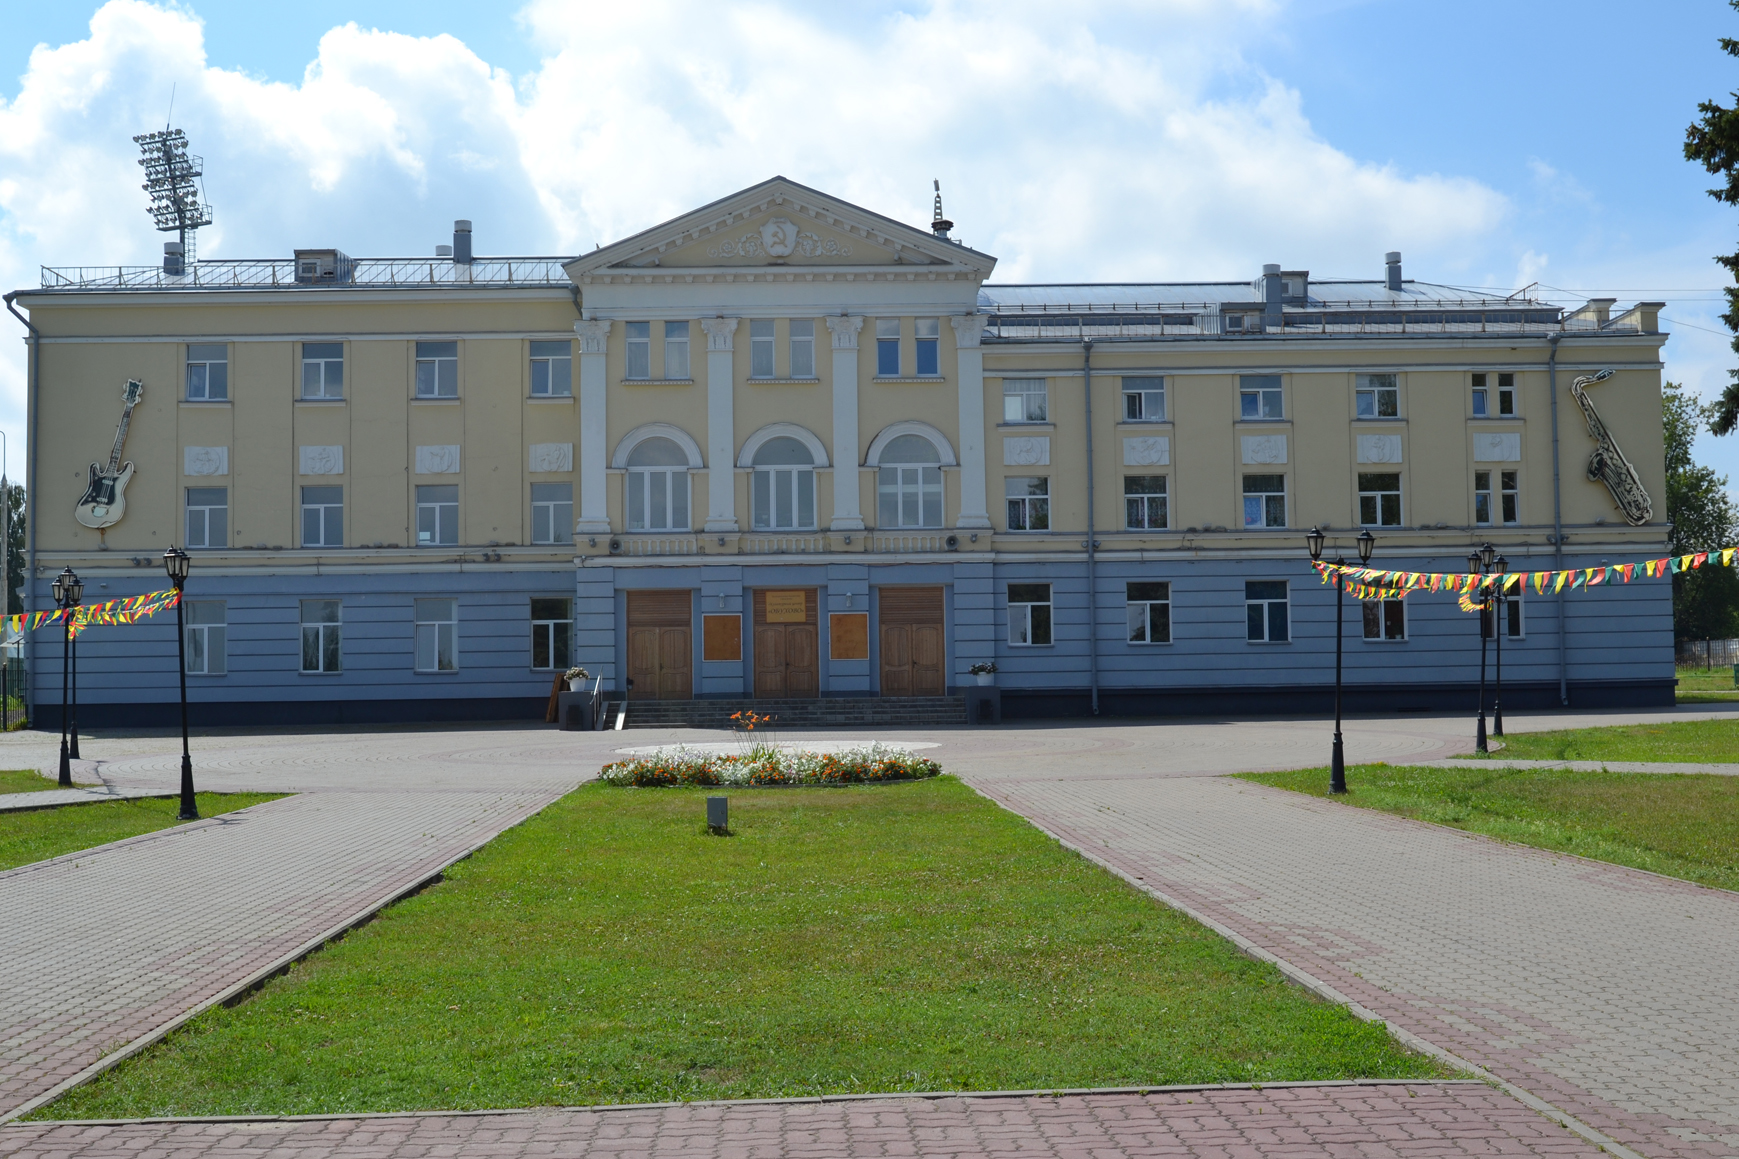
(939, 225)
(172, 178)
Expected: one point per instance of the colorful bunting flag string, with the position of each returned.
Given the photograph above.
(128, 610)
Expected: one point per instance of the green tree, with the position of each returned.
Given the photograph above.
(1714, 141)
(1703, 516)
(15, 547)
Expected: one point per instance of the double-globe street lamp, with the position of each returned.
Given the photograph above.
(1314, 538)
(68, 591)
(1481, 562)
(176, 563)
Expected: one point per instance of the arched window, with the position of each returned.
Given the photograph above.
(909, 483)
(657, 486)
(784, 493)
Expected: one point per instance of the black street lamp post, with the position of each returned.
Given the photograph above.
(1337, 773)
(68, 590)
(1478, 563)
(1498, 626)
(176, 563)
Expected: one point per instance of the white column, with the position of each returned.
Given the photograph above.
(968, 329)
(594, 516)
(721, 441)
(847, 513)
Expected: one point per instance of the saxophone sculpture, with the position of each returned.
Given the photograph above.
(1607, 464)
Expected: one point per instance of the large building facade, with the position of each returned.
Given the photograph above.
(784, 447)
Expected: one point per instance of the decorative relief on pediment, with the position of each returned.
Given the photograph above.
(1031, 451)
(1379, 448)
(778, 237)
(1147, 451)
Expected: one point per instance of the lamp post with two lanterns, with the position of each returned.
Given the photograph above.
(1314, 539)
(1500, 567)
(68, 590)
(176, 563)
(1479, 562)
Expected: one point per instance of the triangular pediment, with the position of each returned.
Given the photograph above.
(779, 224)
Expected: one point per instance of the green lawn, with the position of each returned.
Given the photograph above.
(25, 781)
(897, 937)
(1682, 826)
(1705, 684)
(38, 834)
(1711, 741)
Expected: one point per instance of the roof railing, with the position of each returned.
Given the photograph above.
(270, 274)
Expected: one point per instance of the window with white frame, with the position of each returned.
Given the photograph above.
(1385, 619)
(1029, 615)
(1512, 614)
(639, 350)
(761, 335)
(657, 486)
(1380, 499)
(437, 514)
(1505, 502)
(323, 517)
(1023, 400)
(207, 373)
(676, 360)
(208, 517)
(552, 629)
(552, 512)
(1484, 405)
(1264, 500)
(1145, 503)
(1265, 612)
(207, 628)
(784, 486)
(552, 369)
(909, 483)
(437, 639)
(1259, 397)
(929, 338)
(1148, 606)
(802, 347)
(1378, 397)
(322, 370)
(322, 635)
(888, 347)
(437, 370)
(1029, 502)
(1144, 400)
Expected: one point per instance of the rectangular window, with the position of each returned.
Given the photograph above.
(437, 370)
(1509, 497)
(760, 348)
(1149, 610)
(1029, 615)
(552, 369)
(639, 363)
(676, 363)
(1512, 615)
(1481, 397)
(323, 517)
(1144, 503)
(1379, 499)
(208, 517)
(207, 628)
(1144, 400)
(1385, 619)
(322, 370)
(437, 515)
(888, 347)
(1259, 397)
(929, 333)
(1264, 500)
(1507, 500)
(207, 373)
(322, 628)
(909, 496)
(1265, 611)
(802, 347)
(1378, 397)
(552, 627)
(1023, 400)
(437, 635)
(1029, 503)
(552, 512)
(1506, 395)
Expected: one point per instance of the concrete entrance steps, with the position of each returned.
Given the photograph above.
(826, 712)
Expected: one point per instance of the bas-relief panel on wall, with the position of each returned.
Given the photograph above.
(320, 460)
(205, 460)
(441, 460)
(551, 457)
(1030, 451)
(1497, 448)
(1147, 451)
(1379, 448)
(1263, 450)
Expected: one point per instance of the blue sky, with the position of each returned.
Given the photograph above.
(1494, 144)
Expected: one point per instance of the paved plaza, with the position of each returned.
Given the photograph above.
(1601, 991)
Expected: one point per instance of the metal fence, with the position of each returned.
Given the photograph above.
(1707, 653)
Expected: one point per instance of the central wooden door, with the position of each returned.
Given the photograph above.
(787, 657)
(911, 639)
(661, 645)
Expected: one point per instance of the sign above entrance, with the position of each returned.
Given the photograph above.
(787, 607)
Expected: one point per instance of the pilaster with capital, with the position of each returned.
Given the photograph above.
(968, 333)
(721, 452)
(594, 514)
(847, 500)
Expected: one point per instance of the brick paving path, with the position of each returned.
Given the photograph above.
(1412, 1120)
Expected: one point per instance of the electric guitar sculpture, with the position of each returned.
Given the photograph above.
(105, 500)
(1607, 464)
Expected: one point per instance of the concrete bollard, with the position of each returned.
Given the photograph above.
(718, 815)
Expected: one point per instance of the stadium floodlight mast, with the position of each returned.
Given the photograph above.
(172, 178)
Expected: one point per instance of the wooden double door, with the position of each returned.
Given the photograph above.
(661, 645)
(787, 657)
(912, 646)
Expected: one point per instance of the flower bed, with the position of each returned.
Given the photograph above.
(769, 766)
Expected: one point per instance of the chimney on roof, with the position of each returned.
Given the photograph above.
(462, 242)
(1392, 269)
(1271, 291)
(444, 251)
(174, 259)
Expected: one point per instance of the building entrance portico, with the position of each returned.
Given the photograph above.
(787, 654)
